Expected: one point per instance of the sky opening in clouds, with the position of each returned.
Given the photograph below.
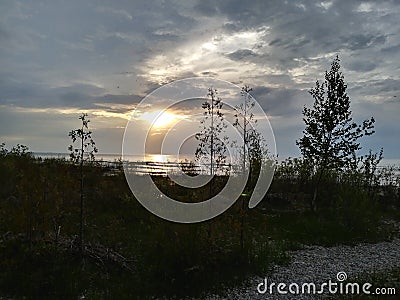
(59, 58)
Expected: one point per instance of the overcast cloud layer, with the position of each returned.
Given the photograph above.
(58, 58)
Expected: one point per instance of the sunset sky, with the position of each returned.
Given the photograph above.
(59, 58)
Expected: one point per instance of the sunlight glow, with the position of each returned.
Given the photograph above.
(156, 158)
(158, 118)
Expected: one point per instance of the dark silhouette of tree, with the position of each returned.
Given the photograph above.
(330, 139)
(83, 152)
(211, 151)
(243, 118)
(211, 148)
(251, 149)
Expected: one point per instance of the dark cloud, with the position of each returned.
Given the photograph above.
(241, 54)
(386, 85)
(362, 66)
(208, 73)
(4, 35)
(280, 102)
(362, 41)
(98, 55)
(388, 88)
(82, 96)
(302, 29)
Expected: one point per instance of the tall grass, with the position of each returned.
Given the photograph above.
(39, 223)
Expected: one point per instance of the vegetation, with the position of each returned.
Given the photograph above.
(131, 254)
(84, 152)
(331, 137)
(211, 151)
(252, 150)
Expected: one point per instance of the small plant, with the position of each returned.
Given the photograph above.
(84, 152)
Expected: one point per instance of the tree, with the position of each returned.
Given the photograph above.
(84, 152)
(211, 148)
(243, 118)
(331, 138)
(251, 149)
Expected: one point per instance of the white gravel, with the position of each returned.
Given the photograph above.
(319, 264)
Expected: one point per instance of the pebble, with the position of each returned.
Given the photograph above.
(320, 264)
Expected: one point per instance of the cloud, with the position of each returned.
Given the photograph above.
(241, 54)
(278, 102)
(106, 57)
(362, 66)
(362, 41)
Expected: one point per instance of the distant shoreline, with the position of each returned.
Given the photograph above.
(159, 157)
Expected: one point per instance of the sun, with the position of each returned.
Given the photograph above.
(159, 118)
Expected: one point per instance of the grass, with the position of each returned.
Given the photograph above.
(170, 260)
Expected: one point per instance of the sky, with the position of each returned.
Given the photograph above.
(61, 58)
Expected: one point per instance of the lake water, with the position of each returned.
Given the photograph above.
(390, 162)
(161, 164)
(155, 164)
(166, 158)
(116, 157)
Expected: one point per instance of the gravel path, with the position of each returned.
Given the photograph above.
(319, 264)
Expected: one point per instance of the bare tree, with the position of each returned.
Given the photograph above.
(211, 149)
(252, 149)
(83, 152)
(211, 146)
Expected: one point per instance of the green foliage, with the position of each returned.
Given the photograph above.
(39, 215)
(39, 211)
(294, 173)
(331, 137)
(268, 253)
